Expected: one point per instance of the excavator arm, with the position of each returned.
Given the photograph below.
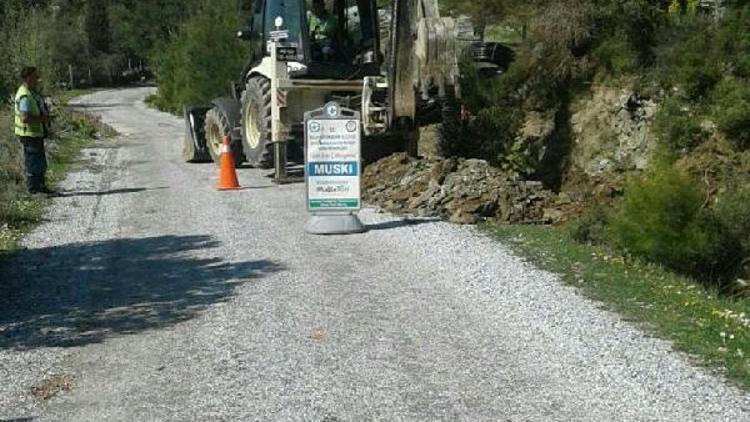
(423, 58)
(401, 64)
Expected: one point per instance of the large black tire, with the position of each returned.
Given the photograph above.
(194, 143)
(256, 122)
(216, 127)
(189, 152)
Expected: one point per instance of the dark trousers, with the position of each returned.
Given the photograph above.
(35, 161)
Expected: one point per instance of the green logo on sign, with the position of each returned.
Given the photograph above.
(333, 203)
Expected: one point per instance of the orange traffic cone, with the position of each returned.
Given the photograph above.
(227, 174)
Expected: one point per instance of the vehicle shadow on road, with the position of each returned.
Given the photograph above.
(402, 223)
(66, 194)
(81, 293)
(98, 105)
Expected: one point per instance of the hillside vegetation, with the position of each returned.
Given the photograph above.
(85, 42)
(688, 207)
(202, 58)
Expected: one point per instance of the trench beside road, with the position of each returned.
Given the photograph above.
(156, 298)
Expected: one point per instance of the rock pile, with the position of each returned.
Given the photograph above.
(464, 191)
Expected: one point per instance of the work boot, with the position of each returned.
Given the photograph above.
(33, 193)
(43, 192)
(49, 192)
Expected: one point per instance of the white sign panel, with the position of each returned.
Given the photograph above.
(278, 35)
(332, 163)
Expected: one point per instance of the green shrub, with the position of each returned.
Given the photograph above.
(707, 65)
(731, 110)
(696, 73)
(615, 57)
(662, 219)
(678, 124)
(733, 211)
(11, 169)
(688, 58)
(489, 135)
(496, 114)
(634, 24)
(202, 58)
(734, 41)
(590, 227)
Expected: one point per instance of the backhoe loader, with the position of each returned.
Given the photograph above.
(306, 53)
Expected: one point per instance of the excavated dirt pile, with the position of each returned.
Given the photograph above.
(464, 191)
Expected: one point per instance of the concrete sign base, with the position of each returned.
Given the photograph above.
(334, 224)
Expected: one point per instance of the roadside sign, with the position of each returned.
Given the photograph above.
(286, 53)
(332, 159)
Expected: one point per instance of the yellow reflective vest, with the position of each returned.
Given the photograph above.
(30, 130)
(321, 28)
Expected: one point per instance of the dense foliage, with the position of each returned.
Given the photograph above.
(201, 58)
(84, 42)
(662, 217)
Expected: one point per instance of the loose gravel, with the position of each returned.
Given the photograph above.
(164, 300)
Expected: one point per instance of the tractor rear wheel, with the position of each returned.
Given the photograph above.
(256, 122)
(216, 127)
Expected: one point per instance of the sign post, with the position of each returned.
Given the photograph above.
(281, 52)
(279, 142)
(333, 149)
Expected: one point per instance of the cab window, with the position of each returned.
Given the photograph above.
(339, 30)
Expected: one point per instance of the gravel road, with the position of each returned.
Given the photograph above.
(148, 296)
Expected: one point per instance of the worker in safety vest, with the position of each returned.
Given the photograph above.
(322, 26)
(31, 120)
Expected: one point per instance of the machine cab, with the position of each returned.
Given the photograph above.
(332, 38)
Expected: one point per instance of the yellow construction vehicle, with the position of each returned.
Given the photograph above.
(309, 52)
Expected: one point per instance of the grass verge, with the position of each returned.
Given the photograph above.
(503, 34)
(154, 102)
(714, 330)
(20, 212)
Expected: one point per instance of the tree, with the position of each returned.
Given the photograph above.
(202, 57)
(96, 23)
(140, 26)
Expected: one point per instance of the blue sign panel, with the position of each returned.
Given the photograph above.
(333, 168)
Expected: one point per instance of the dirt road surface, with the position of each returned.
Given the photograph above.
(149, 296)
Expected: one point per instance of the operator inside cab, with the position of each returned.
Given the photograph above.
(323, 28)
